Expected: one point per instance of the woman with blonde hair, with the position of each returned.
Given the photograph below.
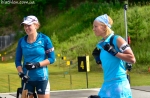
(37, 52)
(113, 58)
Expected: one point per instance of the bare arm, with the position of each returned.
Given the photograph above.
(19, 69)
(127, 55)
(44, 63)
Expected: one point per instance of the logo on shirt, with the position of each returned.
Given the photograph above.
(50, 50)
(39, 90)
(39, 42)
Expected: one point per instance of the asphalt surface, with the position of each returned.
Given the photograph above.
(137, 92)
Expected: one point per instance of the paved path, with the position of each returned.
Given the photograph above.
(138, 92)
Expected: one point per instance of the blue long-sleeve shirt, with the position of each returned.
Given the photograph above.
(37, 51)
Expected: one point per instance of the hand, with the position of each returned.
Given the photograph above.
(30, 66)
(23, 77)
(128, 66)
(110, 49)
(96, 55)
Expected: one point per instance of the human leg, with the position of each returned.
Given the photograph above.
(34, 95)
(30, 86)
(44, 96)
(43, 89)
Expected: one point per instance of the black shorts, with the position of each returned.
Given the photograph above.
(41, 87)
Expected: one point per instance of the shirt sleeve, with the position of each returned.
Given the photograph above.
(49, 50)
(18, 57)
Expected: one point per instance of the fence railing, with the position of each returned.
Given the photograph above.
(75, 80)
(6, 41)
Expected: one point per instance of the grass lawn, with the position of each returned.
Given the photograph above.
(61, 79)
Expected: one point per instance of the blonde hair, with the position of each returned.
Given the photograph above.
(108, 30)
(37, 25)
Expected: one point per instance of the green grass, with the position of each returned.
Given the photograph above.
(61, 81)
(72, 36)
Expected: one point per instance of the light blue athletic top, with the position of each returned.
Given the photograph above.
(112, 66)
(37, 51)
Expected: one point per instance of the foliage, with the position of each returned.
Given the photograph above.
(74, 42)
(62, 4)
(72, 35)
(37, 8)
(137, 26)
(5, 18)
(55, 40)
(19, 35)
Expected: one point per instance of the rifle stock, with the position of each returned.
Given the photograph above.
(24, 94)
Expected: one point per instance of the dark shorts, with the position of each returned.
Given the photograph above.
(41, 87)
